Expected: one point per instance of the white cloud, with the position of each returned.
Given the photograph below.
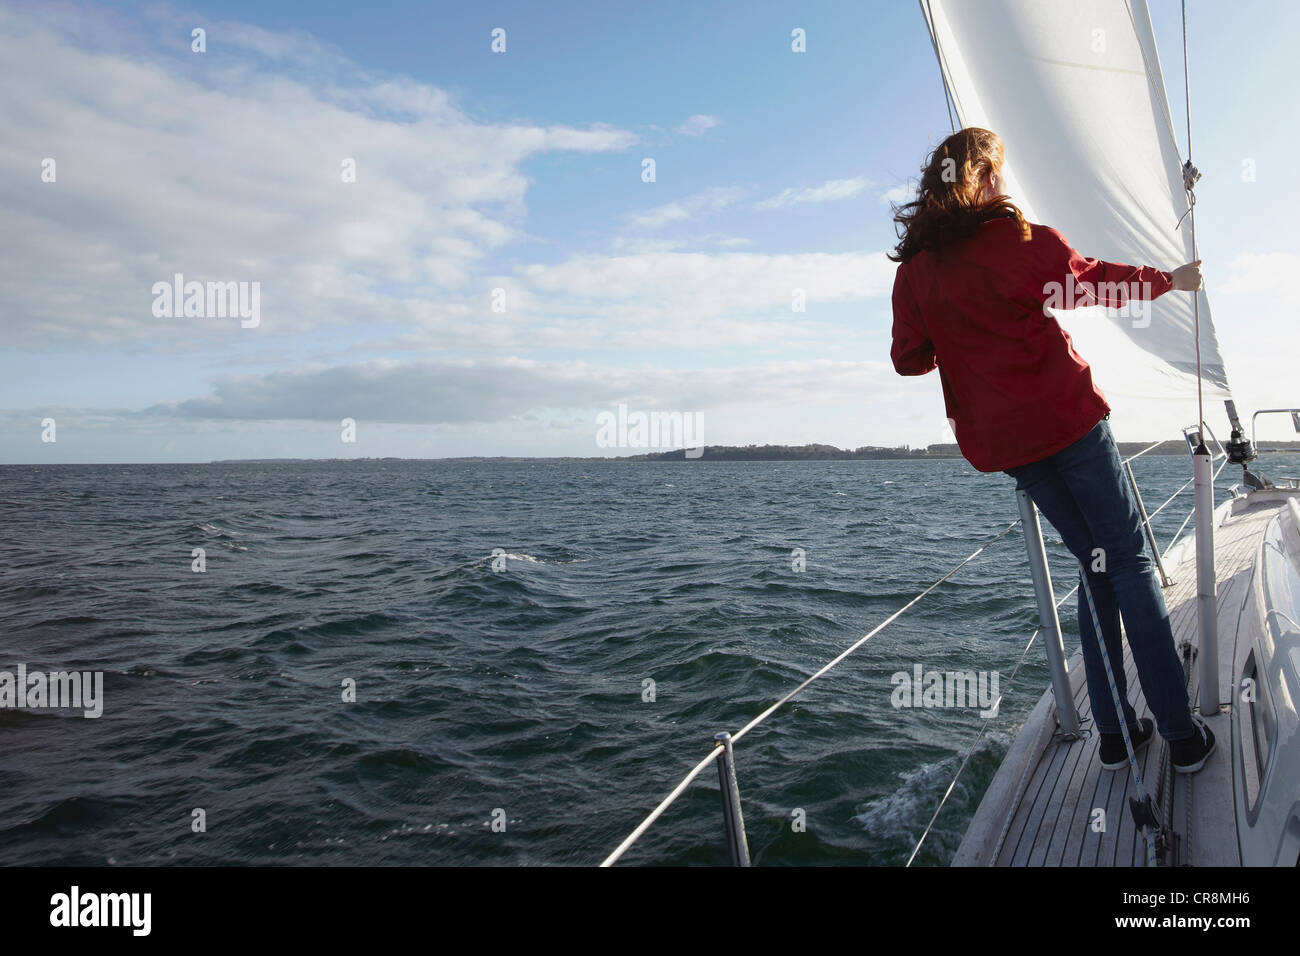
(1256, 272)
(635, 245)
(697, 300)
(829, 191)
(639, 245)
(903, 192)
(687, 209)
(230, 169)
(698, 124)
(730, 281)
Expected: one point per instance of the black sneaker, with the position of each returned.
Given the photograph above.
(1190, 755)
(1113, 753)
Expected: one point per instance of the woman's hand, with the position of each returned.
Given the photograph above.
(1187, 278)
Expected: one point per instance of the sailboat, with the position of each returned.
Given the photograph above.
(1076, 93)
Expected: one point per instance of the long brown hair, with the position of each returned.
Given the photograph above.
(948, 208)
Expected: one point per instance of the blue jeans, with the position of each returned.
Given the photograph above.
(1083, 490)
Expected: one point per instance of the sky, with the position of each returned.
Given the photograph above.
(458, 251)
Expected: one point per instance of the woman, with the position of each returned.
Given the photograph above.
(971, 298)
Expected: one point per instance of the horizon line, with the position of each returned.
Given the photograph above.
(904, 452)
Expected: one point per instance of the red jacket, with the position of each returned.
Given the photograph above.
(979, 312)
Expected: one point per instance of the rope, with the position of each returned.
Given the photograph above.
(1189, 181)
(1187, 89)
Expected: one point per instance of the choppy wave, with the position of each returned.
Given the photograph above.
(351, 680)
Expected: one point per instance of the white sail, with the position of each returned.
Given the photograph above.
(1075, 91)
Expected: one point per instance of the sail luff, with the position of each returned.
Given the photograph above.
(1213, 372)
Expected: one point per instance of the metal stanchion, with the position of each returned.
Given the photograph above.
(731, 815)
(1066, 715)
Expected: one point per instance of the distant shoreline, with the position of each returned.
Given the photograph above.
(765, 453)
(728, 453)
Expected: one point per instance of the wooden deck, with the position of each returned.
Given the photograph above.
(1039, 808)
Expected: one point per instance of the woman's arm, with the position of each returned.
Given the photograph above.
(912, 352)
(1072, 280)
